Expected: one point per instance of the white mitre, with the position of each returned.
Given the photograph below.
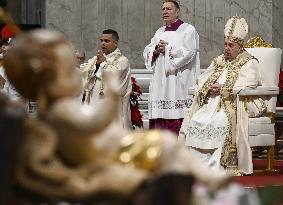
(236, 29)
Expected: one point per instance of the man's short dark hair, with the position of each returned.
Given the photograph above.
(174, 2)
(113, 33)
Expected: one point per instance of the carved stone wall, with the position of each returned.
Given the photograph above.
(277, 27)
(137, 20)
(209, 17)
(83, 21)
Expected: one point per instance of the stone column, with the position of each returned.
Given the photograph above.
(65, 16)
(82, 21)
(209, 18)
(277, 28)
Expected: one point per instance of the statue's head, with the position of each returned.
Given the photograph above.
(41, 63)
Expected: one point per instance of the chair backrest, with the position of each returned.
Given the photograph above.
(269, 61)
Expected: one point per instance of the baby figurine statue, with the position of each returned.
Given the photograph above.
(73, 151)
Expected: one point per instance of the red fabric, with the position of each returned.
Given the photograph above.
(154, 57)
(135, 86)
(174, 125)
(279, 102)
(136, 116)
(280, 84)
(6, 33)
(259, 181)
(263, 180)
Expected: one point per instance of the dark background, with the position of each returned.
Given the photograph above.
(27, 14)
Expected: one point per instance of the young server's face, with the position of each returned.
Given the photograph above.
(169, 12)
(231, 50)
(108, 43)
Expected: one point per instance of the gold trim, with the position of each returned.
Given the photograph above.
(257, 42)
(114, 62)
(235, 39)
(270, 159)
(91, 79)
(233, 26)
(229, 152)
(271, 116)
(230, 36)
(233, 70)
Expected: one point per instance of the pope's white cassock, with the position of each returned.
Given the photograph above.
(207, 125)
(174, 73)
(94, 85)
(215, 125)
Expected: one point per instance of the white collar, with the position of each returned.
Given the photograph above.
(114, 53)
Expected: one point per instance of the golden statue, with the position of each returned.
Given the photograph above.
(70, 151)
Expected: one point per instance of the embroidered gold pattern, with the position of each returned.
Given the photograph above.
(91, 81)
(233, 25)
(230, 36)
(235, 39)
(229, 153)
(109, 65)
(256, 42)
(91, 78)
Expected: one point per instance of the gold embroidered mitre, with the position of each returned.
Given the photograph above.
(236, 29)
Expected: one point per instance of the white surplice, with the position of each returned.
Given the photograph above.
(174, 73)
(121, 68)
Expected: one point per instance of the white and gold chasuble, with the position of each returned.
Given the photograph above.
(211, 123)
(94, 87)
